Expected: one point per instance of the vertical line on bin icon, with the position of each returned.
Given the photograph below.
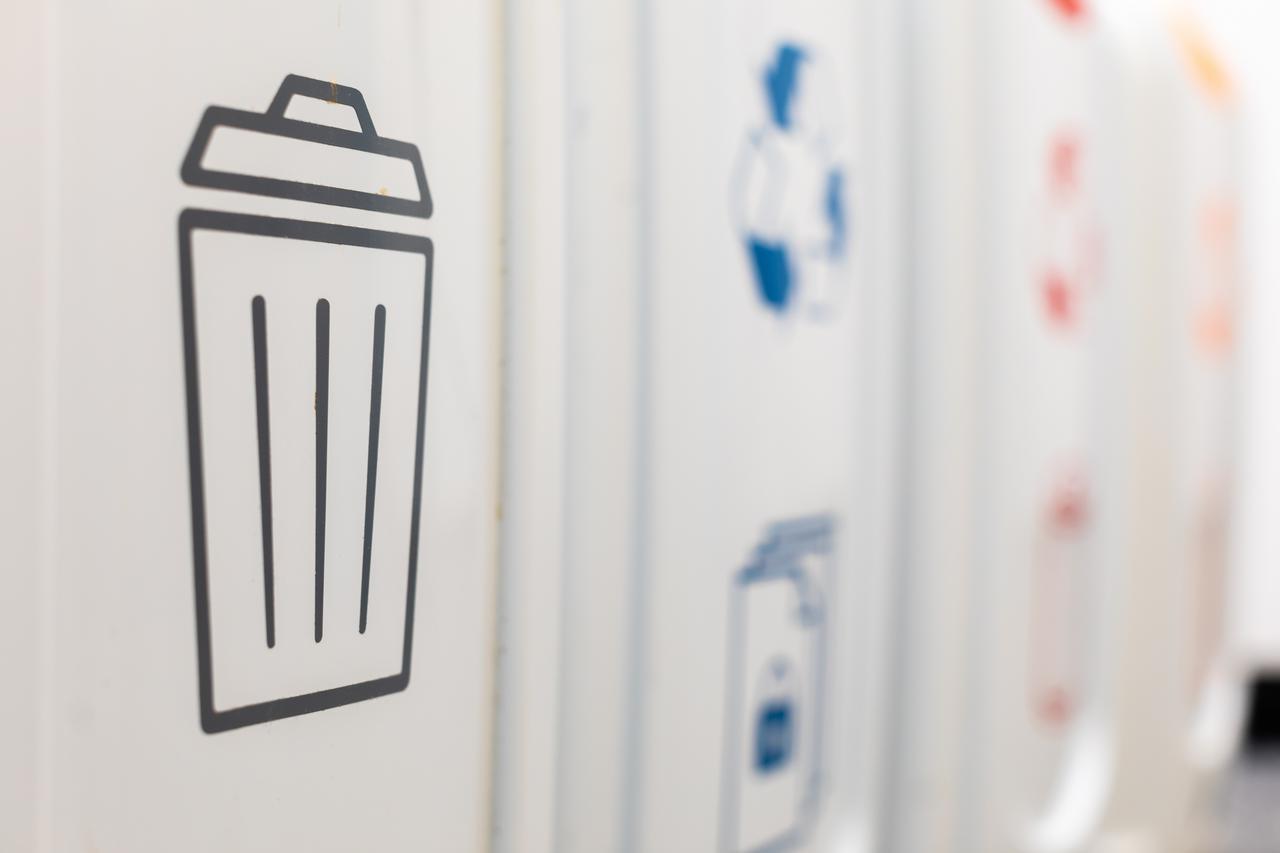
(322, 450)
(371, 477)
(264, 464)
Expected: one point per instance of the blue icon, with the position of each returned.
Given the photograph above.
(790, 189)
(774, 699)
(775, 732)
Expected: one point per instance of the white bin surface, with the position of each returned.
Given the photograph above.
(133, 723)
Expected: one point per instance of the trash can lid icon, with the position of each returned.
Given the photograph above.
(394, 153)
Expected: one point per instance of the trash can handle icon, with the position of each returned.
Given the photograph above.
(332, 93)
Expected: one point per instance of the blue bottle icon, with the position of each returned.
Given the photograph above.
(775, 737)
(774, 698)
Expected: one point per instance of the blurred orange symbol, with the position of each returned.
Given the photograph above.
(1214, 320)
(1206, 67)
(1214, 327)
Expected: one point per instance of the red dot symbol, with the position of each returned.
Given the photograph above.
(1068, 509)
(1056, 706)
(1059, 299)
(1073, 9)
(1064, 156)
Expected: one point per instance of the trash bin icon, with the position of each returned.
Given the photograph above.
(306, 381)
(777, 652)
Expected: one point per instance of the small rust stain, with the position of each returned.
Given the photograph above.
(333, 91)
(382, 190)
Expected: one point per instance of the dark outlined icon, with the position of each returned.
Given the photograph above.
(305, 347)
(776, 673)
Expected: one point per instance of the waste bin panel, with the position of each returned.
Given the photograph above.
(1208, 293)
(274, 372)
(1038, 751)
(1178, 722)
(753, 349)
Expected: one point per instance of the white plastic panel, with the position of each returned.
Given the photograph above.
(1041, 753)
(1175, 195)
(758, 610)
(389, 745)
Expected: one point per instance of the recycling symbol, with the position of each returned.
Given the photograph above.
(790, 193)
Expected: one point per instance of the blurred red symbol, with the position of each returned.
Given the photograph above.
(1064, 152)
(1055, 706)
(1072, 9)
(1059, 298)
(1072, 248)
(1058, 604)
(1068, 509)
